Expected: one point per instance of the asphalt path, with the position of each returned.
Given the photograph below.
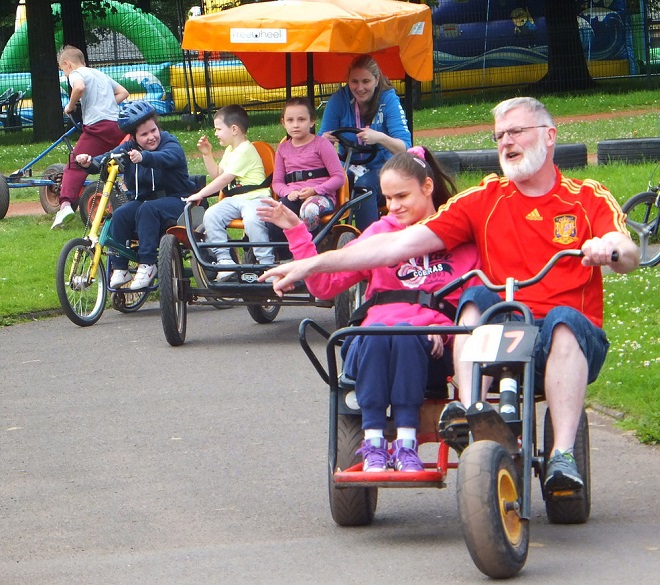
(127, 461)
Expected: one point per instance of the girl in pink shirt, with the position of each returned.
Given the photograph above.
(393, 370)
(308, 172)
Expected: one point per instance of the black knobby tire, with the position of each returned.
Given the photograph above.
(643, 223)
(49, 195)
(88, 203)
(575, 510)
(261, 313)
(628, 150)
(488, 488)
(346, 302)
(4, 196)
(82, 301)
(354, 506)
(173, 310)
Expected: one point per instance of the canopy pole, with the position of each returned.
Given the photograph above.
(310, 78)
(287, 60)
(408, 102)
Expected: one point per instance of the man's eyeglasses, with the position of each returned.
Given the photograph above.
(514, 132)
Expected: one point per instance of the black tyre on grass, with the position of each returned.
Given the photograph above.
(4, 197)
(574, 510)
(488, 503)
(173, 310)
(628, 150)
(353, 506)
(643, 223)
(81, 297)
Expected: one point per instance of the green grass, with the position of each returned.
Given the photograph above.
(29, 250)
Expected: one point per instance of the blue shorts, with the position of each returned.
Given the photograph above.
(592, 340)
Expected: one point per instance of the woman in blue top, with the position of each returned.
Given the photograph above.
(368, 102)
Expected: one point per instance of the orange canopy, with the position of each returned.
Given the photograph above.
(397, 34)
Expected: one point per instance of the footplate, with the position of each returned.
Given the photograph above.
(486, 424)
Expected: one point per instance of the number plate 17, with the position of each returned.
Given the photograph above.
(505, 342)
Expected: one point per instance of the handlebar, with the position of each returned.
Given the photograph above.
(512, 285)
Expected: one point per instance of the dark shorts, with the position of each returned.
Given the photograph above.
(592, 340)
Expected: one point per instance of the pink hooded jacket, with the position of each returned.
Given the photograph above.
(428, 273)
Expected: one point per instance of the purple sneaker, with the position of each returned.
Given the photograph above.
(404, 455)
(374, 454)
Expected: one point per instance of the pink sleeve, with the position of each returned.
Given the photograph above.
(321, 285)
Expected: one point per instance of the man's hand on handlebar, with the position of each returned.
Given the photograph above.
(599, 252)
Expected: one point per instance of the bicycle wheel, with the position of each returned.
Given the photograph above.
(488, 505)
(173, 310)
(128, 302)
(82, 298)
(643, 223)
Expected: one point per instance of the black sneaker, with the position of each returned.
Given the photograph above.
(562, 474)
(453, 427)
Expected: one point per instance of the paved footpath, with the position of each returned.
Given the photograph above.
(127, 461)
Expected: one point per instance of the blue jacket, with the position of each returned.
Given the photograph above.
(163, 171)
(389, 119)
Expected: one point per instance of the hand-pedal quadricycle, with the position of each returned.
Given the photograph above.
(495, 470)
(82, 280)
(178, 291)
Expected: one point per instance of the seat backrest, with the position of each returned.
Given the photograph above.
(267, 155)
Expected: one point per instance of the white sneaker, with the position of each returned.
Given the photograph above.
(224, 274)
(144, 276)
(64, 215)
(119, 277)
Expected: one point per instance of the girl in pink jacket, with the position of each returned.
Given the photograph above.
(393, 370)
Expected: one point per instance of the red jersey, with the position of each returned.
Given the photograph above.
(516, 235)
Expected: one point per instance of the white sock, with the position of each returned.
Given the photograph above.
(406, 433)
(373, 434)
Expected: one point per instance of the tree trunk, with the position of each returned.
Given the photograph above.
(567, 66)
(46, 104)
(73, 27)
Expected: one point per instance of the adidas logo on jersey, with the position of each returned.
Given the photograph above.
(534, 215)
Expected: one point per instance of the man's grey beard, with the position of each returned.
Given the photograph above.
(532, 161)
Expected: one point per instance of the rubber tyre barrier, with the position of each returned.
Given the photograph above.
(449, 161)
(630, 150)
(571, 156)
(567, 156)
(484, 160)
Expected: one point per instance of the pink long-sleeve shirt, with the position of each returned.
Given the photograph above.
(427, 273)
(317, 154)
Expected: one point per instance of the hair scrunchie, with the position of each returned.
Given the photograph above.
(417, 151)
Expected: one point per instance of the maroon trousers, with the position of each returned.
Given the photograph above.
(96, 139)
